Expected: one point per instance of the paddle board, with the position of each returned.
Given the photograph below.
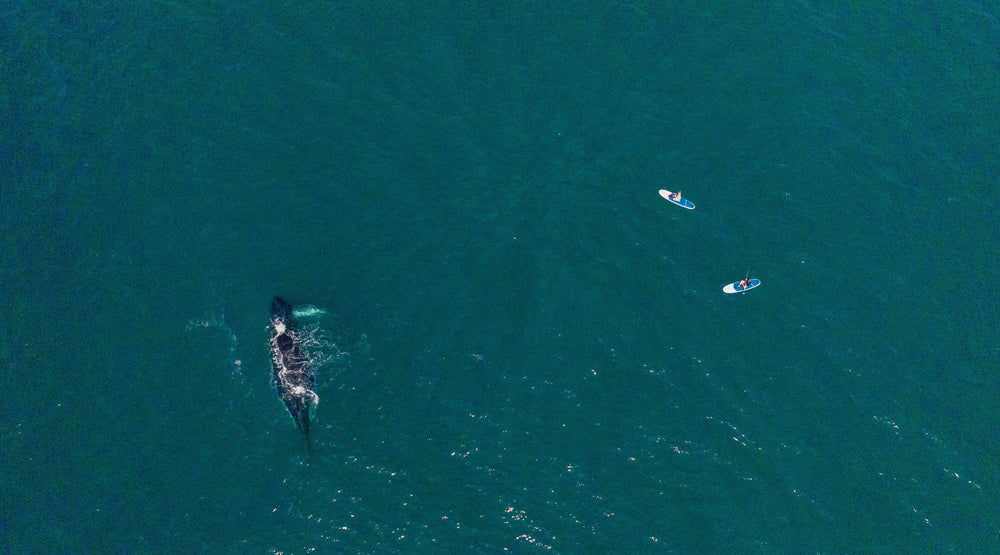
(679, 201)
(735, 287)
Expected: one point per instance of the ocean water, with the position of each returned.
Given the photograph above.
(524, 348)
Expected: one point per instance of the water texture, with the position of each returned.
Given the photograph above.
(523, 347)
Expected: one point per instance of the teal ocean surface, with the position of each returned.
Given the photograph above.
(518, 345)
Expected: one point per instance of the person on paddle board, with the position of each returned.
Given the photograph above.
(677, 195)
(744, 283)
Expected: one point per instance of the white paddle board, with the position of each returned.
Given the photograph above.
(677, 199)
(735, 287)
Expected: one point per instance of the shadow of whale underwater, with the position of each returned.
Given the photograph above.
(293, 375)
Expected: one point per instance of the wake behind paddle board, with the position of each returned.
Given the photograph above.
(736, 288)
(679, 200)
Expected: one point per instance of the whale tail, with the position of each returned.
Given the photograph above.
(299, 409)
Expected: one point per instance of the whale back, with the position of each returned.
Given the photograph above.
(292, 374)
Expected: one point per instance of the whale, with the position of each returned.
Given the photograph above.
(292, 373)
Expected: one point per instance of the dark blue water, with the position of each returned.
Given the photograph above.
(524, 347)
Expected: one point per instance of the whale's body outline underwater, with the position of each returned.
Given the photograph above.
(292, 372)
